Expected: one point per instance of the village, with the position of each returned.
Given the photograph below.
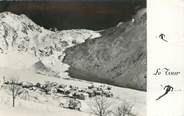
(73, 94)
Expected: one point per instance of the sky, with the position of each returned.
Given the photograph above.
(76, 14)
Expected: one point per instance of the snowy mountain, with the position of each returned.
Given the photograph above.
(34, 55)
(24, 44)
(118, 57)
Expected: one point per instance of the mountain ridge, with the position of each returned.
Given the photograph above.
(118, 57)
(21, 37)
(115, 56)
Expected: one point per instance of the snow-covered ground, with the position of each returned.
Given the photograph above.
(39, 105)
(20, 30)
(29, 108)
(23, 43)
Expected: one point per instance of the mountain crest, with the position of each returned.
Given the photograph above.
(21, 36)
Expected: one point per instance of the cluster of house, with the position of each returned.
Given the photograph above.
(67, 91)
(75, 94)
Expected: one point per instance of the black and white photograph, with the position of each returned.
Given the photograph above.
(74, 58)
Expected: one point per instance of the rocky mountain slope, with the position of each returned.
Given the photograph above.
(24, 44)
(118, 57)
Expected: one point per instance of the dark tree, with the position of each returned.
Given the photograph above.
(15, 90)
(100, 106)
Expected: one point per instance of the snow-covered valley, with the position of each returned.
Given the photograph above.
(32, 54)
(38, 104)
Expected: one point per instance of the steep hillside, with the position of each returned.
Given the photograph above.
(118, 57)
(24, 44)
